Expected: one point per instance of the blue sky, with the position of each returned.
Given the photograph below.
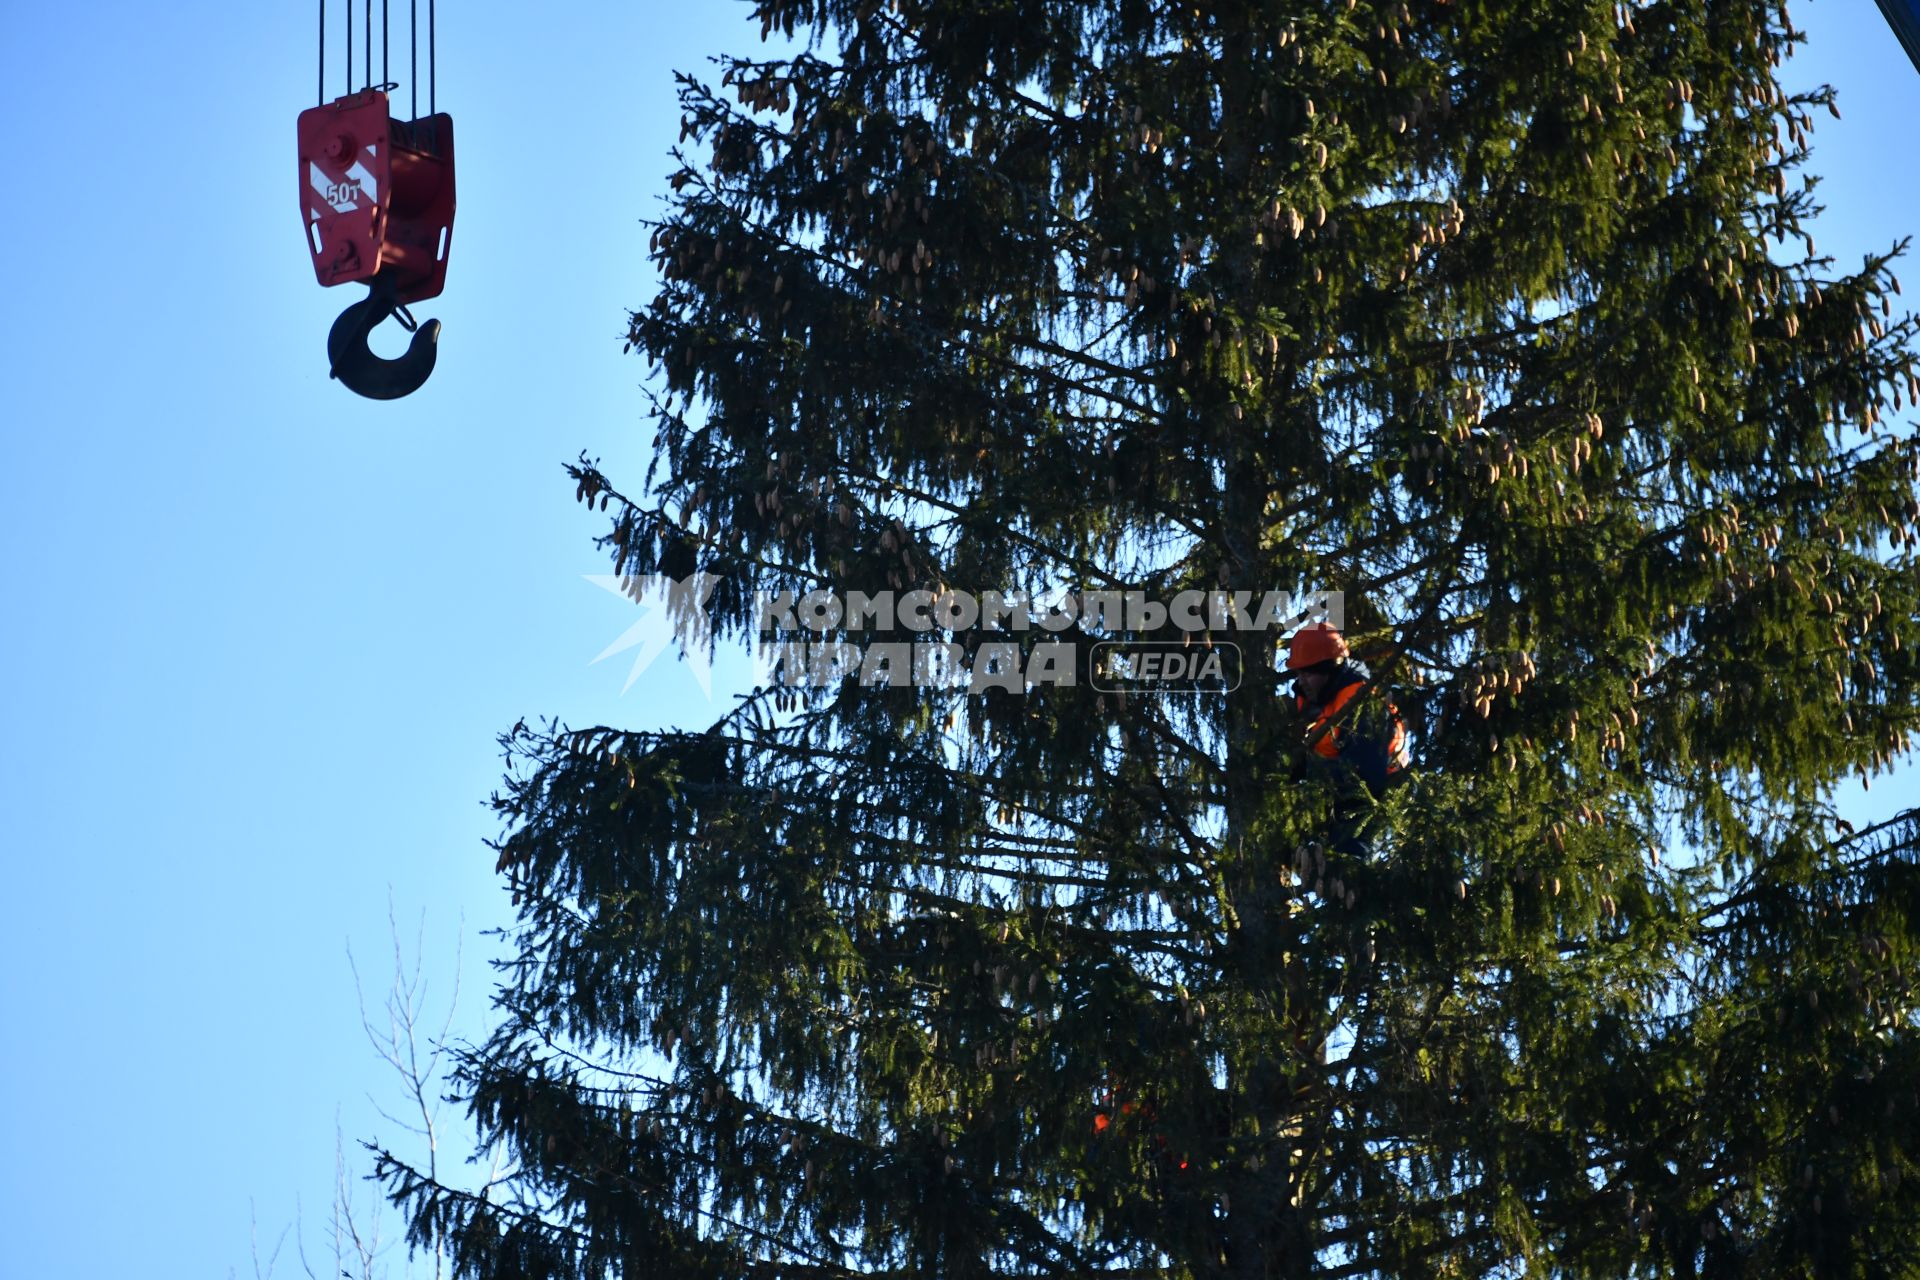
(261, 634)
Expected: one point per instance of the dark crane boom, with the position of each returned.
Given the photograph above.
(1904, 17)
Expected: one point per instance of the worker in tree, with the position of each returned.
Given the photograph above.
(1356, 743)
(1355, 737)
(1358, 734)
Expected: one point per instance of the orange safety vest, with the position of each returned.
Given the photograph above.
(1329, 743)
(1145, 1112)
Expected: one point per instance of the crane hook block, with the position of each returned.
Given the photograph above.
(377, 197)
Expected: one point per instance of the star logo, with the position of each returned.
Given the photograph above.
(671, 609)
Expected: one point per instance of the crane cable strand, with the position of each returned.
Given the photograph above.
(386, 51)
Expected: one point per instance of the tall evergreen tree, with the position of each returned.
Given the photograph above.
(1495, 315)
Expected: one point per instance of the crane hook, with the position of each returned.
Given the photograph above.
(374, 376)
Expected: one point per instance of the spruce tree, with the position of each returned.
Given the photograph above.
(1498, 317)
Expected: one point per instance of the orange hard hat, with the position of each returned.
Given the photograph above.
(1315, 644)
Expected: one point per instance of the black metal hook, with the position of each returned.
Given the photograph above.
(370, 375)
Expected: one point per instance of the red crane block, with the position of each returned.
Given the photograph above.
(377, 194)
